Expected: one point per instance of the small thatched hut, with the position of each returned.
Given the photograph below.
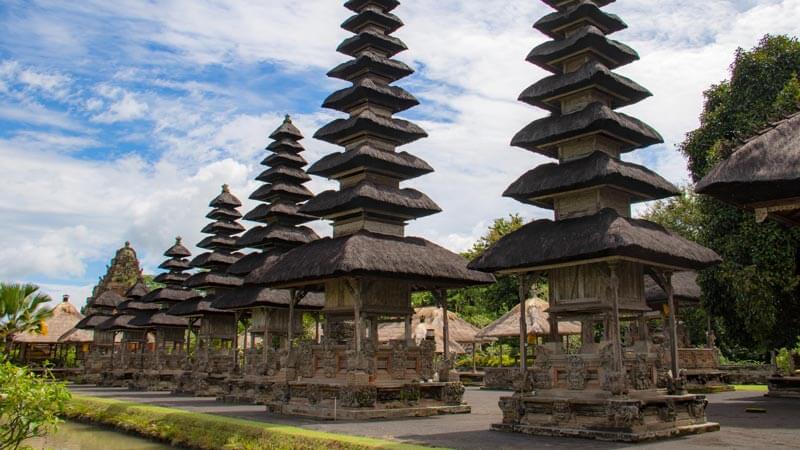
(536, 317)
(48, 346)
(462, 333)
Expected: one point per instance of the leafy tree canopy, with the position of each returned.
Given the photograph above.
(755, 290)
(22, 309)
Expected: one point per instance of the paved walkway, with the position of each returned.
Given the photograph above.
(778, 428)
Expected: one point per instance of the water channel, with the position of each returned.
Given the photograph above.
(78, 436)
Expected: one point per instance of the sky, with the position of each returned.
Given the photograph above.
(119, 121)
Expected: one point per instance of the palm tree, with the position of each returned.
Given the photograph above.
(22, 309)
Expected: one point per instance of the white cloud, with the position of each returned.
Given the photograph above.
(208, 132)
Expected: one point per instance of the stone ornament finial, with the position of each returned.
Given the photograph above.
(226, 189)
(178, 240)
(287, 119)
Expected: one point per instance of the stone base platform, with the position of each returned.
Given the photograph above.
(247, 390)
(706, 382)
(201, 384)
(784, 387)
(622, 419)
(155, 381)
(331, 412)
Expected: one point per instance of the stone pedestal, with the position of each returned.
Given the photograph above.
(784, 387)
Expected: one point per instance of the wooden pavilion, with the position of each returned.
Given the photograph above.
(369, 267)
(594, 255)
(59, 344)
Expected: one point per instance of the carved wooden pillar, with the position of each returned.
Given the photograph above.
(673, 323)
(525, 282)
(441, 299)
(407, 323)
(613, 333)
(235, 343)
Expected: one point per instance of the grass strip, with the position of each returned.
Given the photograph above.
(209, 431)
(751, 387)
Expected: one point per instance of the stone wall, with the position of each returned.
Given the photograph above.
(746, 374)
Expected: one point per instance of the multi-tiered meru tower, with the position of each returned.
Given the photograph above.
(594, 255)
(369, 268)
(281, 229)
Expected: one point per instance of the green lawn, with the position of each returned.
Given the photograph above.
(208, 431)
(750, 387)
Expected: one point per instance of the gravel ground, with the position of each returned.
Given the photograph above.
(778, 428)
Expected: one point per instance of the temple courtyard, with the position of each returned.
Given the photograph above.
(778, 427)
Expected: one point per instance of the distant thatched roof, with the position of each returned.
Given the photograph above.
(91, 321)
(536, 317)
(195, 307)
(250, 296)
(65, 317)
(684, 285)
(169, 295)
(605, 234)
(159, 320)
(423, 263)
(461, 331)
(108, 299)
(765, 168)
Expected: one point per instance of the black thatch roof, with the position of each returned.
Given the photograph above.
(222, 243)
(120, 322)
(159, 320)
(286, 130)
(686, 291)
(765, 168)
(284, 158)
(561, 4)
(178, 250)
(382, 5)
(276, 234)
(169, 295)
(203, 280)
(175, 264)
(367, 195)
(547, 92)
(195, 307)
(393, 98)
(597, 169)
(369, 39)
(371, 63)
(172, 278)
(586, 12)
(370, 254)
(92, 321)
(285, 145)
(387, 21)
(250, 296)
(108, 299)
(223, 214)
(252, 262)
(398, 131)
(605, 234)
(285, 174)
(397, 164)
(132, 306)
(613, 54)
(137, 291)
(540, 135)
(273, 191)
(221, 227)
(215, 259)
(287, 213)
(225, 199)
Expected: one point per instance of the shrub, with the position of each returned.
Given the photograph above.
(29, 404)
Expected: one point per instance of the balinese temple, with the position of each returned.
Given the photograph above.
(217, 330)
(763, 174)
(700, 363)
(128, 353)
(594, 255)
(271, 311)
(369, 268)
(121, 275)
(164, 365)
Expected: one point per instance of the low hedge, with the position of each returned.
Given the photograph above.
(208, 431)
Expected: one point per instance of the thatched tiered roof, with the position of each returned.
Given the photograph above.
(590, 188)
(174, 292)
(536, 317)
(65, 317)
(281, 197)
(763, 172)
(370, 209)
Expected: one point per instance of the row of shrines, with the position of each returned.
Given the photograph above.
(618, 384)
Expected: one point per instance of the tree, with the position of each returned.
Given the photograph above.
(29, 405)
(22, 309)
(755, 290)
(480, 305)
